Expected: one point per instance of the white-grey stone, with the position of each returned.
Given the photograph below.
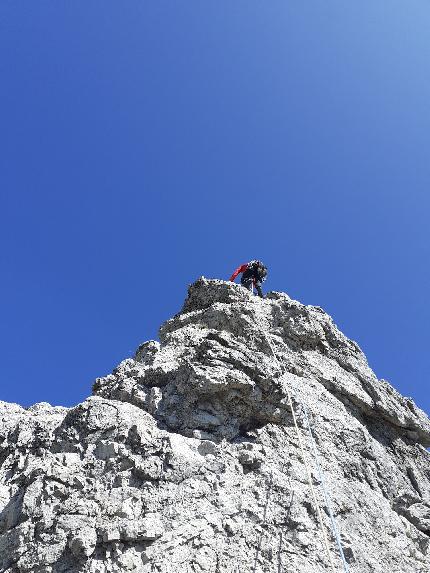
(83, 542)
(186, 458)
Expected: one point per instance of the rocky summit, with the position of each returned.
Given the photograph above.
(223, 448)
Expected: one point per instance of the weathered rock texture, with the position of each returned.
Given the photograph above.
(185, 459)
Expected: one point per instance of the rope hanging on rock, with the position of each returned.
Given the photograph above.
(309, 474)
(326, 494)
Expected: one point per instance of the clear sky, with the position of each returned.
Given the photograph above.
(145, 143)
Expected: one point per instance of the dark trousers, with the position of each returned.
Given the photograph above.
(248, 283)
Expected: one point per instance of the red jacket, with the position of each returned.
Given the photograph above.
(239, 270)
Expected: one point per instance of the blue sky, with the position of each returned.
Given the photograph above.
(146, 143)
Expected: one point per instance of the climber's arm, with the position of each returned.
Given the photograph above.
(239, 270)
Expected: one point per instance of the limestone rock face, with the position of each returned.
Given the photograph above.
(186, 458)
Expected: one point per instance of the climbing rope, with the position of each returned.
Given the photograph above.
(325, 490)
(309, 473)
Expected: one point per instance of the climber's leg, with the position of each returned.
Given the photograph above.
(247, 283)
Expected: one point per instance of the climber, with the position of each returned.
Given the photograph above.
(254, 273)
